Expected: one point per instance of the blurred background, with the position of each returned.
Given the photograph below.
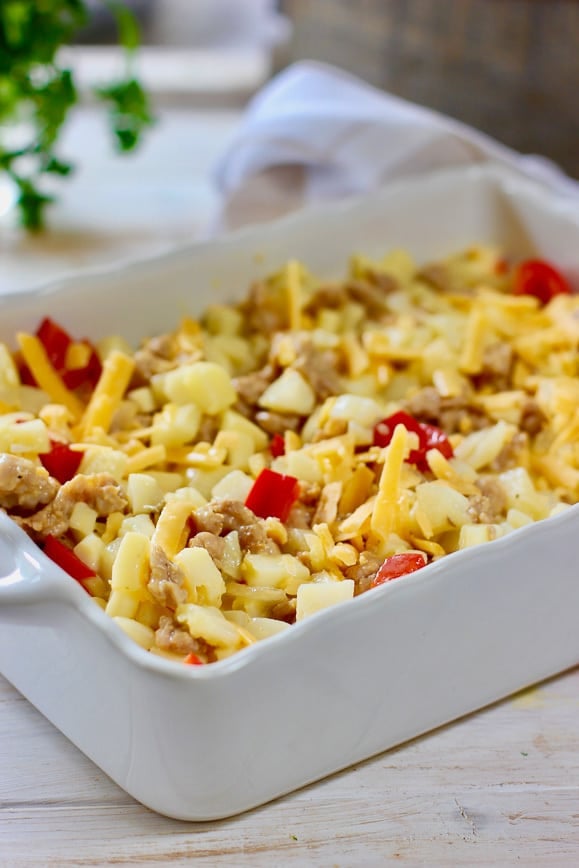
(508, 67)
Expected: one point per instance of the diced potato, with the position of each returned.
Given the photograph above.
(235, 486)
(260, 628)
(239, 445)
(143, 398)
(290, 393)
(102, 459)
(522, 495)
(263, 628)
(131, 566)
(149, 613)
(203, 581)
(90, 550)
(516, 518)
(274, 571)
(206, 384)
(221, 319)
(355, 408)
(475, 534)
(122, 604)
(313, 597)
(480, 448)
(25, 437)
(139, 633)
(444, 507)
(205, 480)
(299, 464)
(175, 425)
(189, 494)
(144, 492)
(142, 524)
(208, 623)
(168, 481)
(233, 421)
(232, 555)
(107, 558)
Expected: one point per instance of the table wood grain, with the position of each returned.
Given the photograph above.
(499, 787)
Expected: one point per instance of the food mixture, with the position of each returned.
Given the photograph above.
(311, 443)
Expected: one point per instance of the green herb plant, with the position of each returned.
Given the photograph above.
(38, 91)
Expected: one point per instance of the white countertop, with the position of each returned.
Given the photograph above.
(499, 787)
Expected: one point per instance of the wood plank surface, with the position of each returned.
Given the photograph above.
(500, 787)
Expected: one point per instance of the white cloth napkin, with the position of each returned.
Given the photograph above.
(316, 132)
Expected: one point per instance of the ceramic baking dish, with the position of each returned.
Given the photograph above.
(200, 743)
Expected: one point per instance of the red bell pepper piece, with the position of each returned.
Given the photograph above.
(540, 279)
(193, 660)
(429, 437)
(398, 565)
(61, 462)
(436, 439)
(273, 494)
(277, 446)
(66, 558)
(55, 341)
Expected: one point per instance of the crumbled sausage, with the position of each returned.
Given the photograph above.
(250, 387)
(327, 509)
(262, 311)
(510, 454)
(100, 491)
(309, 492)
(326, 296)
(451, 414)
(490, 505)
(170, 637)
(364, 572)
(277, 423)
(154, 357)
(497, 359)
(214, 544)
(24, 484)
(437, 276)
(208, 429)
(222, 516)
(371, 295)
(285, 611)
(319, 367)
(532, 418)
(425, 404)
(166, 582)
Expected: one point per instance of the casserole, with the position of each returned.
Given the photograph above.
(345, 683)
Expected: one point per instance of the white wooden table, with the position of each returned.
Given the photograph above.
(500, 787)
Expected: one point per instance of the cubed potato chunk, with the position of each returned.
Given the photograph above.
(274, 571)
(290, 393)
(313, 597)
(205, 384)
(208, 623)
(203, 581)
(175, 425)
(131, 566)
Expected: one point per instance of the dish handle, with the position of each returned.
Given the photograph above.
(24, 576)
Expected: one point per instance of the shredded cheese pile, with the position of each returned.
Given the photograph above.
(295, 379)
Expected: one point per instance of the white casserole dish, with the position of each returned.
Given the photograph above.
(201, 743)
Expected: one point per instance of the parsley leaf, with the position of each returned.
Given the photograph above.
(38, 93)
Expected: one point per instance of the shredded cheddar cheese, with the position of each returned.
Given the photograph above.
(278, 456)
